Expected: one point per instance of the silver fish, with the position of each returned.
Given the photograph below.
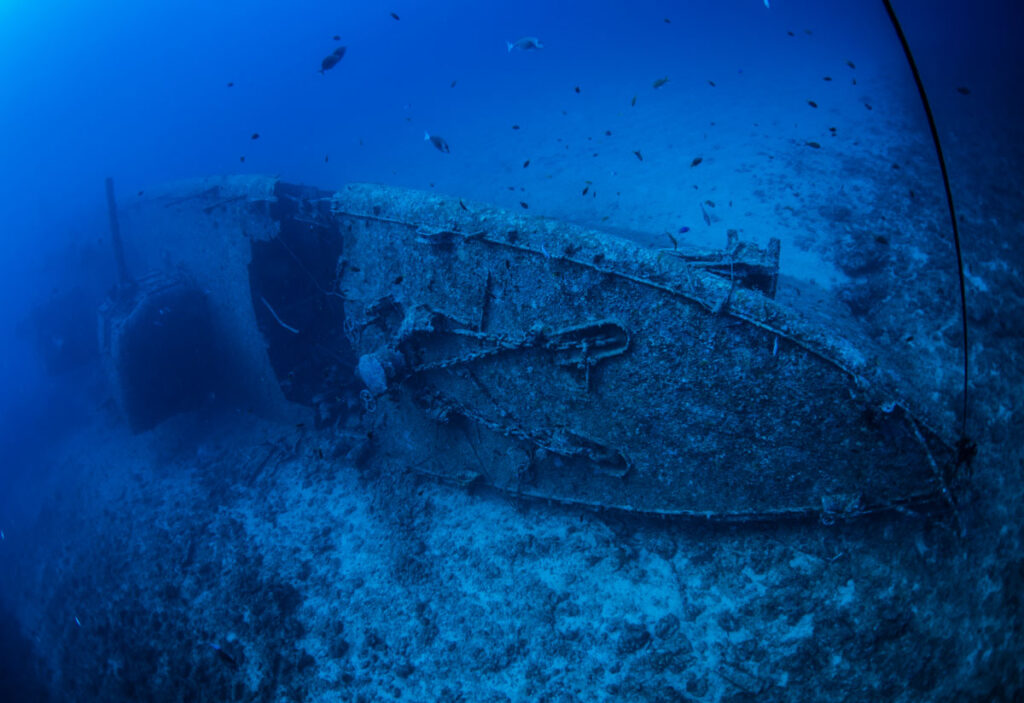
(525, 44)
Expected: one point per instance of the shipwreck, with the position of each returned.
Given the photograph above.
(486, 348)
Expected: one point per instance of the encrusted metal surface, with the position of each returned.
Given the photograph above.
(551, 361)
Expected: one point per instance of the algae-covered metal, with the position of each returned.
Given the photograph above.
(556, 362)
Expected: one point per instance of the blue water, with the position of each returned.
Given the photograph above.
(153, 92)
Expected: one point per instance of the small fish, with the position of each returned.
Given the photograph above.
(577, 89)
(814, 145)
(586, 189)
(827, 78)
(963, 90)
(868, 106)
(697, 161)
(462, 204)
(668, 21)
(812, 103)
(639, 155)
(255, 135)
(684, 229)
(523, 205)
(850, 64)
(453, 83)
(675, 244)
(439, 143)
(332, 59)
(526, 163)
(607, 133)
(77, 621)
(791, 34)
(709, 203)
(231, 84)
(326, 157)
(242, 159)
(336, 37)
(396, 17)
(515, 126)
(711, 83)
(660, 82)
(707, 217)
(633, 102)
(524, 44)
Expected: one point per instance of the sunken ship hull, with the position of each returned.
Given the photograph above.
(487, 348)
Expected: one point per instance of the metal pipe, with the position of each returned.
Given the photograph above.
(123, 277)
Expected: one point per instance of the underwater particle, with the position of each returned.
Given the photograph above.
(812, 103)
(242, 159)
(696, 161)
(808, 32)
(523, 205)
(255, 135)
(524, 44)
(850, 64)
(586, 189)
(633, 102)
(526, 163)
(639, 155)
(577, 89)
(709, 203)
(660, 82)
(515, 126)
(439, 143)
(711, 83)
(332, 59)
(231, 84)
(139, 194)
(462, 204)
(684, 229)
(827, 78)
(395, 17)
(705, 215)
(813, 145)
(963, 90)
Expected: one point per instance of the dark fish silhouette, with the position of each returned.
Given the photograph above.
(395, 16)
(255, 135)
(660, 82)
(332, 59)
(526, 163)
(633, 102)
(639, 155)
(812, 103)
(696, 161)
(439, 143)
(963, 90)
